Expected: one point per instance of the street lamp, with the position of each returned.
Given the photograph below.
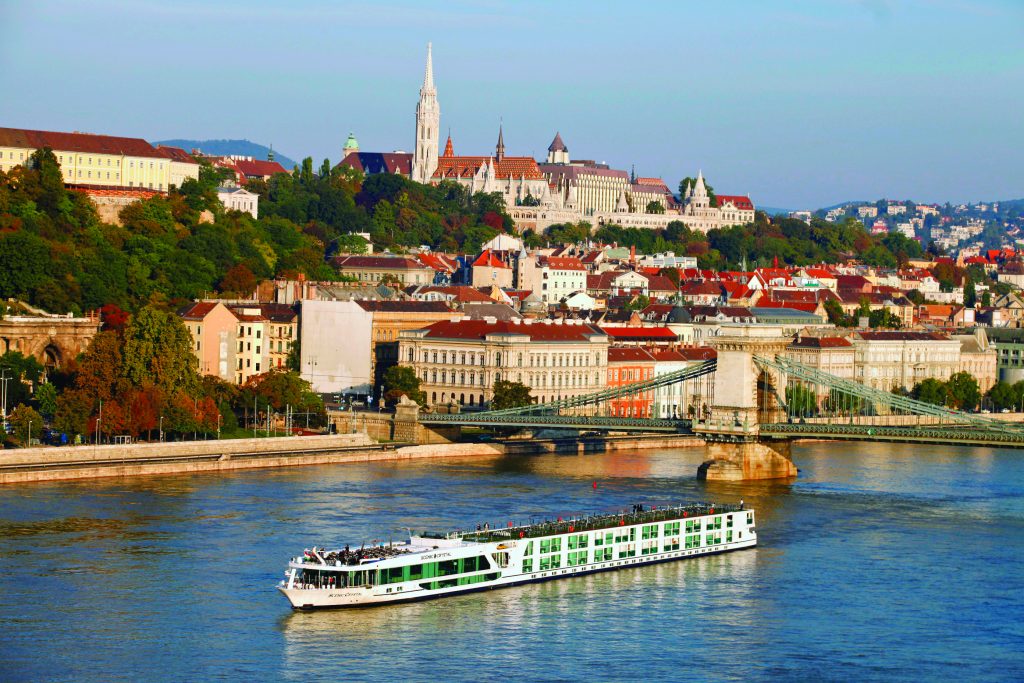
(219, 417)
(28, 436)
(161, 429)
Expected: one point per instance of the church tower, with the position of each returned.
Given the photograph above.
(428, 124)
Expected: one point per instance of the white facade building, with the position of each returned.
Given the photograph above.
(238, 199)
(335, 355)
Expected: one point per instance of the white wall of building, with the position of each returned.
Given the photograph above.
(335, 343)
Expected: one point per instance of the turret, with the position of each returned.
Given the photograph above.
(499, 149)
(558, 153)
(428, 122)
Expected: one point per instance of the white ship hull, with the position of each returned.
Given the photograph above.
(427, 567)
(327, 598)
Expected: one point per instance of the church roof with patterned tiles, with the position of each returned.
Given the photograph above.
(657, 182)
(379, 162)
(506, 168)
(562, 262)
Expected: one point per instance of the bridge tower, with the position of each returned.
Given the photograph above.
(745, 396)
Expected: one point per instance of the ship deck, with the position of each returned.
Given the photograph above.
(593, 522)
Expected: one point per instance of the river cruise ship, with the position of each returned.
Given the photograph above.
(437, 565)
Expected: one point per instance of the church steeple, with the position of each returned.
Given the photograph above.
(499, 150)
(448, 150)
(428, 124)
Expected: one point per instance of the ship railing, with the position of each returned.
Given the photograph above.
(597, 521)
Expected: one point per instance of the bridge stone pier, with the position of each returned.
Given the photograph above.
(745, 395)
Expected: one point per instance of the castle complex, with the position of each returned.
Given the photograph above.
(559, 190)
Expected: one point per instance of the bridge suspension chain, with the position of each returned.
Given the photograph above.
(871, 397)
(692, 372)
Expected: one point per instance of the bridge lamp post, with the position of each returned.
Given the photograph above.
(28, 436)
(161, 429)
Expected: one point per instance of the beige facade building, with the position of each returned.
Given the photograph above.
(95, 160)
(896, 359)
(459, 361)
(978, 358)
(213, 327)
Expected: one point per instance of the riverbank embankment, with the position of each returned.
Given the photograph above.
(181, 457)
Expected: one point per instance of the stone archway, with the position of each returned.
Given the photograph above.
(53, 357)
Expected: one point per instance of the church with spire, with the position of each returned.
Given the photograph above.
(557, 190)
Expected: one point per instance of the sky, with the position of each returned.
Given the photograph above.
(799, 104)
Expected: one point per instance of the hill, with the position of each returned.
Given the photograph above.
(226, 147)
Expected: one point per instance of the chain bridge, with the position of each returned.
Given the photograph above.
(748, 404)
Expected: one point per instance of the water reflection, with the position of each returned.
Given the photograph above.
(874, 563)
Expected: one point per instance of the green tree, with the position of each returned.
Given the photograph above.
(401, 380)
(158, 352)
(884, 318)
(639, 303)
(282, 389)
(692, 182)
(655, 207)
(22, 373)
(986, 298)
(835, 313)
(46, 399)
(1003, 396)
(931, 391)
(510, 395)
(970, 294)
(26, 423)
(801, 401)
(351, 244)
(964, 392)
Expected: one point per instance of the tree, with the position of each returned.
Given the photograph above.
(351, 244)
(401, 380)
(239, 279)
(1003, 396)
(671, 273)
(931, 391)
(25, 424)
(639, 303)
(986, 298)
(46, 399)
(22, 373)
(283, 388)
(692, 182)
(970, 294)
(801, 400)
(655, 207)
(884, 318)
(836, 315)
(510, 395)
(963, 390)
(158, 351)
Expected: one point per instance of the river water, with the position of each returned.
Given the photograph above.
(882, 561)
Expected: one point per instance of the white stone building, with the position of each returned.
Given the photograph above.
(239, 199)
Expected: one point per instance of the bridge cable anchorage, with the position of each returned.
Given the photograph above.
(855, 392)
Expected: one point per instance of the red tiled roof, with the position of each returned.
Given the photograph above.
(506, 168)
(741, 202)
(822, 342)
(258, 168)
(537, 331)
(404, 306)
(77, 142)
(460, 293)
(902, 336)
(660, 283)
(388, 262)
(489, 260)
(640, 333)
(629, 354)
(197, 310)
(562, 262)
(176, 154)
(439, 262)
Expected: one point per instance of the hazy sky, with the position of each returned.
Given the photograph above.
(799, 104)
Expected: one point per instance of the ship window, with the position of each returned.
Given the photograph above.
(416, 571)
(529, 548)
(501, 559)
(393, 575)
(528, 565)
(672, 544)
(556, 561)
(545, 563)
(446, 567)
(750, 518)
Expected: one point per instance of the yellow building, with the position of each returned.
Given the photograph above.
(96, 161)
